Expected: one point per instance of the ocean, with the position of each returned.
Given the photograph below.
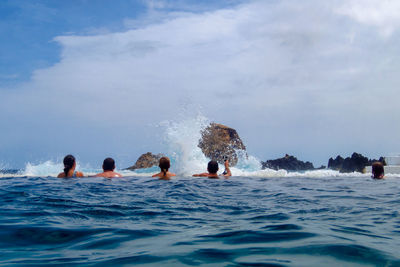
(254, 218)
(319, 218)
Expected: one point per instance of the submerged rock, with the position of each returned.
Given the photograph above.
(355, 163)
(219, 141)
(146, 160)
(289, 163)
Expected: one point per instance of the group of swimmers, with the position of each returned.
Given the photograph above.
(378, 171)
(164, 174)
(70, 165)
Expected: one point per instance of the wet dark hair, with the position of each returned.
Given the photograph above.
(212, 166)
(164, 165)
(377, 169)
(68, 161)
(108, 164)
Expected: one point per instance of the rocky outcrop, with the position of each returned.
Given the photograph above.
(146, 161)
(335, 164)
(219, 141)
(289, 163)
(355, 163)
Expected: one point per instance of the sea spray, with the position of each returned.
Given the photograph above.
(47, 168)
(50, 168)
(247, 162)
(182, 140)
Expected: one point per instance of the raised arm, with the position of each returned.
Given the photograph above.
(227, 169)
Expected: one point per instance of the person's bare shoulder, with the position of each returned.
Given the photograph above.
(108, 175)
(204, 174)
(156, 175)
(61, 175)
(79, 174)
(112, 175)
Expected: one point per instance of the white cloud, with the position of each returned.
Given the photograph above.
(290, 77)
(383, 14)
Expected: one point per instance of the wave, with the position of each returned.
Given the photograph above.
(52, 169)
(181, 139)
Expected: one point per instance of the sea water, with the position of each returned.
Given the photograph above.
(241, 221)
(255, 218)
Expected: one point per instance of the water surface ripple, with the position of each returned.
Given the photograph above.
(243, 221)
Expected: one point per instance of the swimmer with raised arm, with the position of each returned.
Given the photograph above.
(212, 169)
(69, 168)
(108, 169)
(164, 166)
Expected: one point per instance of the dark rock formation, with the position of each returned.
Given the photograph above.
(335, 164)
(355, 163)
(288, 163)
(146, 161)
(219, 141)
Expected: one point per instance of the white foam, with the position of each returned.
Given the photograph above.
(283, 173)
(181, 138)
(47, 168)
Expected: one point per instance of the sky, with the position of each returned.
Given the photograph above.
(96, 78)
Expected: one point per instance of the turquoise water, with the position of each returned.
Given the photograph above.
(242, 221)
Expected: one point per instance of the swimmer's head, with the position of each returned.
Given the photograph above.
(69, 163)
(377, 170)
(164, 164)
(108, 164)
(212, 167)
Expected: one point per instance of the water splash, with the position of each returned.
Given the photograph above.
(247, 162)
(47, 168)
(181, 138)
(50, 168)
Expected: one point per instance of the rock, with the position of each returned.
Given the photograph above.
(218, 141)
(355, 163)
(289, 163)
(335, 164)
(147, 160)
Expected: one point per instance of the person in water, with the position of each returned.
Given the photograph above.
(212, 169)
(164, 166)
(378, 172)
(69, 168)
(108, 169)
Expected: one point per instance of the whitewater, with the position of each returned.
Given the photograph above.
(186, 157)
